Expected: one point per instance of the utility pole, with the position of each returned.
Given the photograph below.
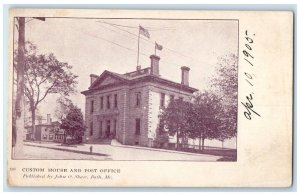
(19, 104)
(18, 129)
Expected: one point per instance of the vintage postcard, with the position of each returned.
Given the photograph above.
(150, 98)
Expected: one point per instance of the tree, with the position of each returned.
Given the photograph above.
(63, 107)
(225, 85)
(18, 120)
(73, 124)
(44, 75)
(204, 117)
(174, 119)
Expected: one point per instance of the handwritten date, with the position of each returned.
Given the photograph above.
(249, 107)
(249, 77)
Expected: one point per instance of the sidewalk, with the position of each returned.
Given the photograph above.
(117, 144)
(65, 149)
(118, 151)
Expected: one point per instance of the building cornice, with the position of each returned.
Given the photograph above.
(148, 78)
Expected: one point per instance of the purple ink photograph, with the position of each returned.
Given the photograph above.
(136, 98)
(125, 89)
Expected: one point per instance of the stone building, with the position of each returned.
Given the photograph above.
(126, 106)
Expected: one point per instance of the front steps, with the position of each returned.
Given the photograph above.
(115, 142)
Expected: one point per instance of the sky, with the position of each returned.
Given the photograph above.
(94, 45)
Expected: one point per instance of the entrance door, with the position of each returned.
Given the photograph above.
(115, 128)
(107, 128)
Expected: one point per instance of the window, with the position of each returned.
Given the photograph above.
(108, 102)
(100, 128)
(101, 103)
(116, 100)
(137, 126)
(92, 106)
(162, 99)
(91, 129)
(138, 99)
(171, 97)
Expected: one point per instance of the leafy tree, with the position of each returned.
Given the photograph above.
(45, 75)
(195, 117)
(225, 85)
(63, 107)
(199, 119)
(73, 124)
(162, 136)
(175, 120)
(225, 81)
(204, 117)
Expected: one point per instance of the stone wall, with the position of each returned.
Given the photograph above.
(127, 112)
(155, 92)
(105, 114)
(137, 112)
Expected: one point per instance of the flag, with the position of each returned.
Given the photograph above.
(144, 32)
(158, 47)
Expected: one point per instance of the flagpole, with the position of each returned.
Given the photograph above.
(138, 54)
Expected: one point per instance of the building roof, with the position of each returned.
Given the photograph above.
(134, 77)
(54, 123)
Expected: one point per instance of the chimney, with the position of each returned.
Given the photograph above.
(154, 65)
(93, 78)
(48, 119)
(185, 75)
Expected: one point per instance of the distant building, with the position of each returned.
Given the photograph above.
(126, 106)
(49, 131)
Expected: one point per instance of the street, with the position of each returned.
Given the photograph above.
(107, 152)
(44, 153)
